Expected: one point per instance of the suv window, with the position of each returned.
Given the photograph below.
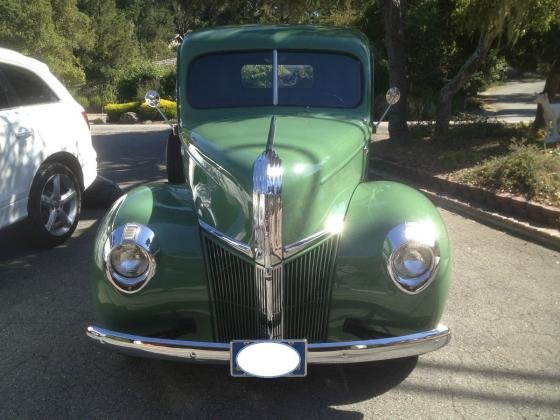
(4, 94)
(26, 86)
(310, 78)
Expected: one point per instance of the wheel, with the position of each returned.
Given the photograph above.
(55, 203)
(175, 173)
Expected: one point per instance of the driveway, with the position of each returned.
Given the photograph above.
(503, 360)
(513, 100)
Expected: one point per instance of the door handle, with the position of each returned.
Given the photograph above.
(23, 132)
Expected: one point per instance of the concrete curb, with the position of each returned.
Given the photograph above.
(547, 237)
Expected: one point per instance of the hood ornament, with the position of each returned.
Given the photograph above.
(267, 231)
(267, 203)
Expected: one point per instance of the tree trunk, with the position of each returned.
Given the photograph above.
(551, 88)
(396, 52)
(447, 93)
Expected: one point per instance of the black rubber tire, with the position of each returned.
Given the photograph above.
(174, 161)
(39, 232)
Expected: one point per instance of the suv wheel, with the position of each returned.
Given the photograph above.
(55, 203)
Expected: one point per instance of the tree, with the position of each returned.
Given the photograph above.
(392, 11)
(488, 20)
(153, 25)
(50, 31)
(115, 46)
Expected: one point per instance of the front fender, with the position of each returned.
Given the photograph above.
(365, 301)
(175, 301)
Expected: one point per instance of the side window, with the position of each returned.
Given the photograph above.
(26, 86)
(4, 93)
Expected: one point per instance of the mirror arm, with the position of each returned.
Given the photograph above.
(164, 117)
(383, 116)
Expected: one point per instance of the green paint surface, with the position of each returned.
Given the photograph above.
(324, 161)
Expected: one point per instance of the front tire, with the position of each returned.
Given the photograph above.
(55, 204)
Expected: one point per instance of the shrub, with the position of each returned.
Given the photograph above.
(169, 108)
(93, 97)
(114, 111)
(136, 80)
(526, 170)
(167, 84)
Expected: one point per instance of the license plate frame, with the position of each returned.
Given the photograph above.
(300, 346)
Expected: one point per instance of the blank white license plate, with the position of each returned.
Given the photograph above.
(269, 359)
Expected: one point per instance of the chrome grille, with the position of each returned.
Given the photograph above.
(234, 294)
(307, 291)
(294, 303)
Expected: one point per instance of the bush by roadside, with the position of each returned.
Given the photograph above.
(144, 112)
(135, 81)
(525, 170)
(498, 156)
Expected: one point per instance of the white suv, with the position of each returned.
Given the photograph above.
(46, 155)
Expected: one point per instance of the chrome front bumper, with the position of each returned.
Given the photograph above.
(335, 352)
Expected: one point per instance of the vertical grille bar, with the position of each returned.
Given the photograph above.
(307, 284)
(300, 287)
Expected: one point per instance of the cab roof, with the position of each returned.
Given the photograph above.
(265, 37)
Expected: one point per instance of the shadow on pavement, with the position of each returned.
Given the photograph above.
(198, 388)
(131, 159)
(19, 247)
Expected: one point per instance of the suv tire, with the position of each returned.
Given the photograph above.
(55, 204)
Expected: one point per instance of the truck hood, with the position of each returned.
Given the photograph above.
(322, 160)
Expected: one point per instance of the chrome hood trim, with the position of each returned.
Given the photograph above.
(267, 204)
(267, 234)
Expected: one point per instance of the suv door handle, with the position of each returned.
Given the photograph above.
(23, 132)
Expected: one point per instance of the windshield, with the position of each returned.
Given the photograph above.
(241, 79)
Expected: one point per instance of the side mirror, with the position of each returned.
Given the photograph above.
(392, 96)
(152, 99)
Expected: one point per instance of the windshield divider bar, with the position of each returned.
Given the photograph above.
(275, 77)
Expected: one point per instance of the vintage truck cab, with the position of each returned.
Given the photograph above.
(268, 247)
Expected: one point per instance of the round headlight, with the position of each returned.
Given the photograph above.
(129, 260)
(412, 260)
(412, 256)
(130, 257)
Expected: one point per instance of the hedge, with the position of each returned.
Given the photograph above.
(144, 112)
(169, 108)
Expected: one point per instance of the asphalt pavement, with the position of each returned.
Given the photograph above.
(503, 360)
(513, 100)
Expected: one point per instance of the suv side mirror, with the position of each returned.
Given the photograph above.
(392, 96)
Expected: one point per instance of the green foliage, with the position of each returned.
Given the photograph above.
(136, 80)
(49, 31)
(114, 111)
(525, 170)
(144, 112)
(115, 45)
(169, 108)
(104, 50)
(153, 25)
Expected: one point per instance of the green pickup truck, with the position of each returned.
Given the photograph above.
(268, 248)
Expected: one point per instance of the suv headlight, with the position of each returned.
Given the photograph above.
(412, 256)
(130, 257)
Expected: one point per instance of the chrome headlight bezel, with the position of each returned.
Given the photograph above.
(137, 235)
(419, 235)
